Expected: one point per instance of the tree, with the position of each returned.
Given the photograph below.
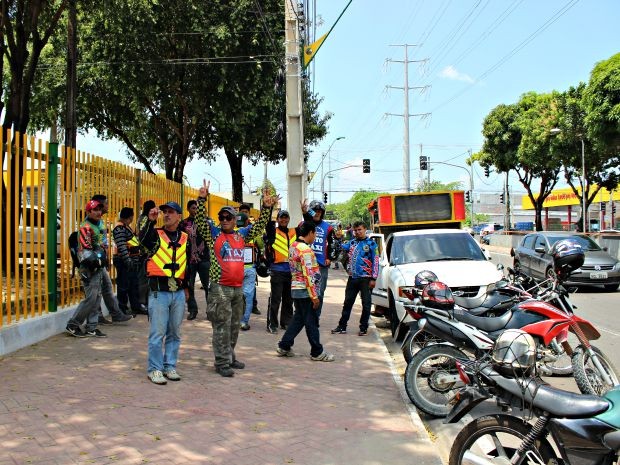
(425, 186)
(517, 137)
(600, 163)
(25, 29)
(356, 208)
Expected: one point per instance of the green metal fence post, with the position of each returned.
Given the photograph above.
(51, 231)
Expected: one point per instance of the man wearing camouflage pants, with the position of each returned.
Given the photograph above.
(225, 301)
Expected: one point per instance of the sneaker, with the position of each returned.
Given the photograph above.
(237, 365)
(104, 321)
(226, 372)
(339, 330)
(256, 311)
(271, 330)
(285, 353)
(157, 377)
(324, 357)
(363, 332)
(192, 316)
(95, 333)
(75, 331)
(121, 318)
(172, 375)
(244, 326)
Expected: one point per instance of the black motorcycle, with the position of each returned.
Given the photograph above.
(545, 425)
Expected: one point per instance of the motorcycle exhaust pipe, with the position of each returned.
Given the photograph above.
(469, 458)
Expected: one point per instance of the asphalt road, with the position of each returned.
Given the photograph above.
(596, 305)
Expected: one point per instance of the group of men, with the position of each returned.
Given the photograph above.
(224, 256)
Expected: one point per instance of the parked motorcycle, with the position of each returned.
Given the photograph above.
(569, 428)
(431, 378)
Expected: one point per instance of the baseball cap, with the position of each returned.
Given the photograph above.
(175, 206)
(242, 219)
(283, 213)
(228, 209)
(92, 204)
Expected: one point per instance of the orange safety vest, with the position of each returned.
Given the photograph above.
(281, 244)
(170, 260)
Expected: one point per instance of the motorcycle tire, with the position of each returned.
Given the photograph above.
(416, 341)
(421, 380)
(587, 376)
(481, 438)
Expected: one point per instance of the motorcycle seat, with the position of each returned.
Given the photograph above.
(470, 302)
(557, 402)
(485, 323)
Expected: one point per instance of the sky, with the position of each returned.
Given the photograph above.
(475, 55)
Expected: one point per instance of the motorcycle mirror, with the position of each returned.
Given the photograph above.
(500, 267)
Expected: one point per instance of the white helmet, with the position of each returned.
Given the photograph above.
(514, 350)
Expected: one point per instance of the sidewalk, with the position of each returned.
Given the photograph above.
(88, 401)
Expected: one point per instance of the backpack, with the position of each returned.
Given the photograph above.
(73, 249)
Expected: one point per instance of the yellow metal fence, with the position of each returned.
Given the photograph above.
(24, 284)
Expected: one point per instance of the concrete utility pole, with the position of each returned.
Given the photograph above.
(295, 164)
(406, 115)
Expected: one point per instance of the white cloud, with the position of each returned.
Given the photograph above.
(450, 72)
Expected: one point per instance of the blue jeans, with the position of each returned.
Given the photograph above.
(249, 291)
(324, 275)
(166, 311)
(304, 316)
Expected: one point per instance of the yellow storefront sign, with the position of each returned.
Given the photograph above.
(565, 197)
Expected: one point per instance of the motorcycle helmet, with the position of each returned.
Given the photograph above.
(424, 277)
(262, 269)
(514, 352)
(437, 295)
(567, 256)
(316, 205)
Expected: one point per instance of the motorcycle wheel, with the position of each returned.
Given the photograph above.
(416, 341)
(586, 374)
(563, 366)
(422, 379)
(495, 439)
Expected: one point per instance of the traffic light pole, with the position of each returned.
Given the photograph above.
(333, 171)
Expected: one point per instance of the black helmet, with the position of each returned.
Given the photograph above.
(437, 295)
(424, 277)
(316, 205)
(567, 256)
(262, 269)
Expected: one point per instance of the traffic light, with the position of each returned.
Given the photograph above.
(501, 198)
(603, 208)
(423, 162)
(366, 165)
(613, 208)
(468, 196)
(487, 171)
(325, 197)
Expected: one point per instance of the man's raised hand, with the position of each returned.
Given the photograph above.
(268, 199)
(204, 190)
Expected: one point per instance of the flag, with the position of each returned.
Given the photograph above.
(311, 49)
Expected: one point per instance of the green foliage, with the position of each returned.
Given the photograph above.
(424, 186)
(356, 208)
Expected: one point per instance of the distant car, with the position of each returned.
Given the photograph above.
(452, 254)
(531, 258)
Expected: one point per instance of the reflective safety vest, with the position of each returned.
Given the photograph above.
(170, 260)
(281, 244)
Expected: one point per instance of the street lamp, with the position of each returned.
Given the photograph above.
(556, 131)
(219, 186)
(330, 162)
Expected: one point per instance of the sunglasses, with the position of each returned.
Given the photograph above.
(225, 217)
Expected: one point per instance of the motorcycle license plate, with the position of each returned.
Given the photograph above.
(598, 275)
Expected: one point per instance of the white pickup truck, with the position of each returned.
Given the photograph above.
(452, 254)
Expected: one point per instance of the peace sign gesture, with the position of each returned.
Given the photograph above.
(204, 190)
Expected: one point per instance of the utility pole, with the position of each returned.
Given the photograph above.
(295, 164)
(406, 115)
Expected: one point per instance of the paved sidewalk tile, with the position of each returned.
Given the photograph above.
(88, 401)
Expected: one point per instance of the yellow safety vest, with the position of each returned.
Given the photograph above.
(169, 261)
(282, 243)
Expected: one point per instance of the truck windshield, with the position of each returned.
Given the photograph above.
(434, 247)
